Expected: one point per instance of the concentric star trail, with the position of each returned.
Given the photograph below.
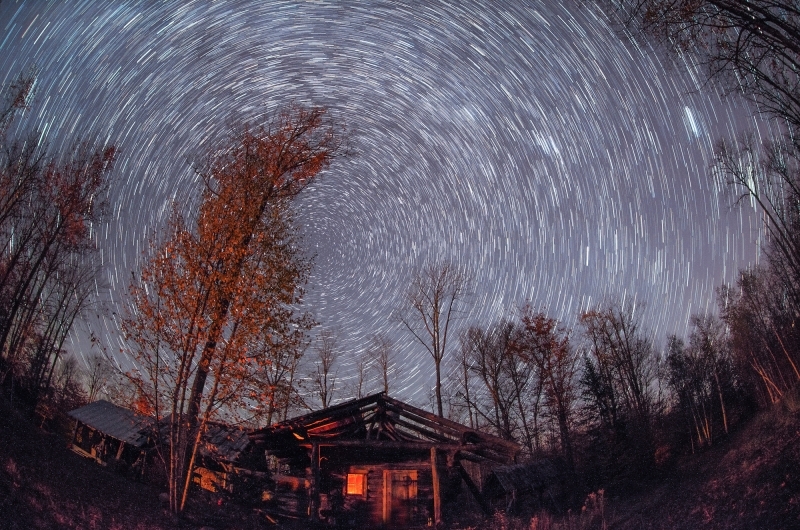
(524, 140)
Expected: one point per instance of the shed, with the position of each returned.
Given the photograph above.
(536, 481)
(223, 456)
(104, 431)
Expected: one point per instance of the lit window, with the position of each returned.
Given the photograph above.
(356, 484)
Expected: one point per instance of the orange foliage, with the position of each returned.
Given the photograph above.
(220, 300)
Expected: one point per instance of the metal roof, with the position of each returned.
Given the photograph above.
(224, 442)
(524, 477)
(114, 421)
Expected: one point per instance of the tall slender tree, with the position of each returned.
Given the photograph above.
(218, 294)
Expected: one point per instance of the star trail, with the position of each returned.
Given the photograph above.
(526, 141)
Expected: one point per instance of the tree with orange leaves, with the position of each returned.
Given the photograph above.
(545, 343)
(216, 303)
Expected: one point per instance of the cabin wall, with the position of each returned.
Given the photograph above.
(400, 493)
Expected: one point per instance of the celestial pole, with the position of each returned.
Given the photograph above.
(527, 141)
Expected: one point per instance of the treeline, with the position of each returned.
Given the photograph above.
(602, 399)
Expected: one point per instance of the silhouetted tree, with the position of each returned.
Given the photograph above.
(325, 375)
(50, 204)
(618, 383)
(381, 354)
(430, 306)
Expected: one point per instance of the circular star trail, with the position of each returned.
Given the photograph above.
(561, 164)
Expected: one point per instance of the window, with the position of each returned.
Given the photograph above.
(356, 484)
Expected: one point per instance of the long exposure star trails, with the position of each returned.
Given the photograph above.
(526, 141)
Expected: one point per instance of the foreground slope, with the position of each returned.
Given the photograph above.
(749, 480)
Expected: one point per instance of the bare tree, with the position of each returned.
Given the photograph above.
(492, 354)
(431, 306)
(50, 204)
(325, 374)
(381, 354)
(618, 380)
(99, 371)
(751, 47)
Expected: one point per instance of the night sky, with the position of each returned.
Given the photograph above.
(526, 141)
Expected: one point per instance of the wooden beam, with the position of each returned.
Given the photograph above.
(314, 501)
(433, 424)
(437, 495)
(387, 444)
(387, 495)
(425, 432)
(449, 424)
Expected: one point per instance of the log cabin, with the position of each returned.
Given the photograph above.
(375, 462)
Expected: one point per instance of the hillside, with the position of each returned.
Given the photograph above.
(750, 480)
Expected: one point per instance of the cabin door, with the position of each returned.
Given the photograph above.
(399, 497)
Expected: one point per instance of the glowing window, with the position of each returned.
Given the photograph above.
(356, 484)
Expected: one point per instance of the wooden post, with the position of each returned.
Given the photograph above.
(387, 495)
(437, 499)
(119, 451)
(314, 501)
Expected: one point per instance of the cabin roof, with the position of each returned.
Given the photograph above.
(115, 421)
(379, 421)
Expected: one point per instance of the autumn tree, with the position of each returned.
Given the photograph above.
(217, 301)
(430, 307)
(545, 344)
(50, 206)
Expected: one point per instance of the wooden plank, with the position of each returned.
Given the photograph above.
(449, 424)
(437, 499)
(386, 444)
(425, 432)
(435, 425)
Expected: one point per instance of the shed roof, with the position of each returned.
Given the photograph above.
(115, 421)
(526, 477)
(224, 442)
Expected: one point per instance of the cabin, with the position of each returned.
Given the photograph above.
(376, 462)
(111, 434)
